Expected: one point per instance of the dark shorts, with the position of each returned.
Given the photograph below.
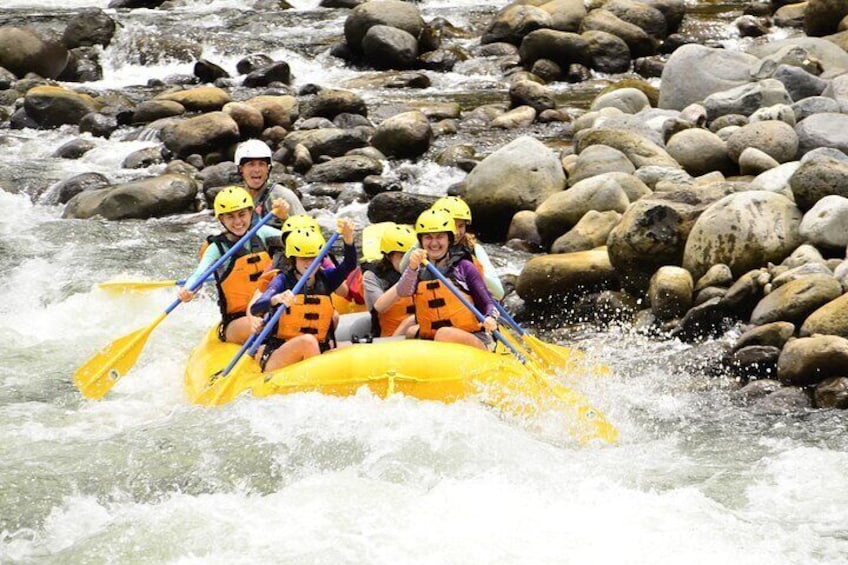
(226, 321)
(487, 339)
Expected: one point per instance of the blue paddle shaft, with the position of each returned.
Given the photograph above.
(255, 341)
(479, 315)
(230, 252)
(509, 319)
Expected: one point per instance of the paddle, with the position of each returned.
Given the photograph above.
(139, 286)
(101, 372)
(598, 426)
(219, 383)
(555, 356)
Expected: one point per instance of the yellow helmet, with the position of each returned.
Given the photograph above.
(232, 199)
(435, 221)
(397, 237)
(304, 242)
(300, 221)
(455, 206)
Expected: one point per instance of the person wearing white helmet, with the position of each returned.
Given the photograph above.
(253, 159)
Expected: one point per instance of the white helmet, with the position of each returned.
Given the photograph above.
(252, 149)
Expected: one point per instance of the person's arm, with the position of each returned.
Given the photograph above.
(337, 275)
(493, 282)
(409, 278)
(263, 303)
(211, 255)
(479, 293)
(373, 289)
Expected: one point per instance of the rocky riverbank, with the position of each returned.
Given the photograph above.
(718, 198)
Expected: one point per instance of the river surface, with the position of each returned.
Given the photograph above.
(145, 477)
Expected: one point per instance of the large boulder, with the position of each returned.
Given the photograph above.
(566, 274)
(744, 231)
(332, 142)
(746, 98)
(818, 178)
(809, 360)
(518, 176)
(282, 110)
(693, 72)
(400, 207)
(386, 47)
(700, 151)
(404, 135)
(829, 129)
(90, 26)
(830, 319)
(201, 134)
(393, 13)
(515, 21)
(795, 300)
(776, 139)
(145, 198)
(53, 106)
(826, 223)
(350, 168)
(591, 231)
(330, 102)
(638, 41)
(23, 51)
(822, 17)
(563, 48)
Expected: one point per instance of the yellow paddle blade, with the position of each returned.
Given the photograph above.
(559, 358)
(223, 389)
(134, 286)
(371, 236)
(589, 423)
(101, 372)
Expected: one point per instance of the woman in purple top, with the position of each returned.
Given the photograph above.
(441, 316)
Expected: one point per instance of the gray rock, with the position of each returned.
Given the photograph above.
(744, 231)
(640, 43)
(278, 71)
(53, 106)
(628, 100)
(400, 207)
(533, 94)
(333, 142)
(518, 176)
(774, 334)
(63, 191)
(561, 211)
(564, 48)
(599, 159)
(776, 139)
(638, 149)
(832, 58)
(515, 21)
(403, 135)
(700, 151)
(823, 130)
(386, 47)
(74, 149)
(329, 103)
(23, 51)
(746, 98)
(785, 400)
(89, 27)
(608, 53)
(776, 179)
(753, 161)
(825, 225)
(807, 107)
(200, 134)
(810, 360)
(755, 361)
(567, 274)
(143, 158)
(818, 178)
(351, 168)
(590, 232)
(145, 198)
(759, 389)
(98, 124)
(799, 83)
(392, 13)
(780, 112)
(694, 72)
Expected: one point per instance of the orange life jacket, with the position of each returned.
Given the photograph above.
(237, 279)
(385, 323)
(436, 306)
(310, 314)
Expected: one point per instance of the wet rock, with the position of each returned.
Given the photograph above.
(743, 230)
(693, 72)
(830, 319)
(561, 211)
(774, 334)
(744, 294)
(63, 191)
(207, 71)
(23, 51)
(252, 62)
(330, 103)
(403, 135)
(145, 198)
(89, 26)
(590, 232)
(514, 22)
(134, 4)
(386, 47)
(607, 53)
(98, 125)
(796, 300)
(249, 119)
(638, 41)
(392, 13)
(200, 99)
(754, 362)
(640, 14)
(333, 142)
(282, 110)
(143, 158)
(566, 274)
(670, 292)
(152, 110)
(278, 71)
(810, 360)
(518, 176)
(533, 94)
(561, 47)
(761, 388)
(652, 233)
(74, 149)
(812, 105)
(832, 393)
(350, 168)
(523, 227)
(707, 320)
(785, 400)
(600, 159)
(400, 207)
(53, 106)
(200, 134)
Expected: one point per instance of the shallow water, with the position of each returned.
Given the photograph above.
(145, 477)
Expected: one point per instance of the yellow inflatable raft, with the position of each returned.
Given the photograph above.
(426, 370)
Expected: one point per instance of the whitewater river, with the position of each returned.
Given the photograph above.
(145, 477)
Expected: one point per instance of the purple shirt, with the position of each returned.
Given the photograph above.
(334, 276)
(465, 274)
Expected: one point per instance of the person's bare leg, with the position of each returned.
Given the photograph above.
(455, 335)
(294, 350)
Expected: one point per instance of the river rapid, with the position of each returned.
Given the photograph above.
(145, 477)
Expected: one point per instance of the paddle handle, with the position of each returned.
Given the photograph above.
(230, 252)
(255, 341)
(509, 319)
(473, 309)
